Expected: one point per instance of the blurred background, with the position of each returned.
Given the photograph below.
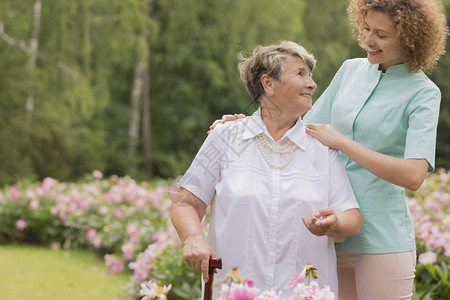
(130, 87)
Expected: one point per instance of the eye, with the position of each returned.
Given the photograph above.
(381, 36)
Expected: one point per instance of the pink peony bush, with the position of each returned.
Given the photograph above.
(429, 208)
(125, 222)
(128, 225)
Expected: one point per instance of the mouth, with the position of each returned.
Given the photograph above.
(374, 51)
(306, 95)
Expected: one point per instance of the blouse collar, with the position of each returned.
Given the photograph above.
(255, 125)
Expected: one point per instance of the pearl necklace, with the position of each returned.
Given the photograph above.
(289, 147)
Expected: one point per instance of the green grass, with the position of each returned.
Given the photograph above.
(34, 273)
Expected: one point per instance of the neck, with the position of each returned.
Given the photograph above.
(277, 122)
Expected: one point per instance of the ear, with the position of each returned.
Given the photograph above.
(267, 83)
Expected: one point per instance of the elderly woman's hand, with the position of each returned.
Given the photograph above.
(196, 253)
(321, 222)
(226, 118)
(326, 134)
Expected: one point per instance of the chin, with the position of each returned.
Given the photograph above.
(372, 60)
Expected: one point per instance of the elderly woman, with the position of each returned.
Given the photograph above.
(262, 175)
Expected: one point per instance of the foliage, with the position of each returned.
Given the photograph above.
(83, 77)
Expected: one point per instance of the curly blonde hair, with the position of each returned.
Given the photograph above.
(269, 60)
(422, 27)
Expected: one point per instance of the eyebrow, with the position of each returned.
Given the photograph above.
(303, 69)
(379, 30)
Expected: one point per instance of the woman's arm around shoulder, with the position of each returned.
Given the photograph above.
(408, 173)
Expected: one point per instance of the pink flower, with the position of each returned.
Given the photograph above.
(90, 234)
(21, 224)
(97, 242)
(238, 292)
(97, 174)
(34, 204)
(447, 249)
(29, 194)
(128, 250)
(113, 264)
(48, 183)
(118, 213)
(132, 229)
(302, 291)
(249, 282)
(270, 295)
(54, 210)
(14, 192)
(139, 203)
(103, 210)
(150, 290)
(298, 279)
(427, 258)
(62, 217)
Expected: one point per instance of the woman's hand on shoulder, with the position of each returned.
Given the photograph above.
(326, 134)
(226, 118)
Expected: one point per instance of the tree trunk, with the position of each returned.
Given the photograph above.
(136, 105)
(140, 102)
(34, 42)
(146, 126)
(147, 117)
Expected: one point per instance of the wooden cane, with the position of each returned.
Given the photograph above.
(214, 263)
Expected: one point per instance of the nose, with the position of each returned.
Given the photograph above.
(311, 84)
(367, 38)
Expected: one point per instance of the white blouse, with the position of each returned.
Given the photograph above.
(256, 210)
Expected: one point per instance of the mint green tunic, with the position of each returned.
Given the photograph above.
(394, 113)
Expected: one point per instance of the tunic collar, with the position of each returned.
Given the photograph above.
(401, 69)
(254, 125)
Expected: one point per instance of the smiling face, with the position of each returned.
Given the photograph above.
(381, 40)
(293, 94)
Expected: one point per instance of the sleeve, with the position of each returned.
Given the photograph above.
(341, 196)
(205, 170)
(320, 113)
(423, 115)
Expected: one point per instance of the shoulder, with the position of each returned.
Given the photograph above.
(423, 92)
(315, 146)
(356, 63)
(359, 65)
(319, 156)
(355, 67)
(231, 131)
(422, 81)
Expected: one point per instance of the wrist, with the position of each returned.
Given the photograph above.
(342, 142)
(193, 237)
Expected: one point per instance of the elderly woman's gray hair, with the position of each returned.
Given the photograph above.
(269, 60)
